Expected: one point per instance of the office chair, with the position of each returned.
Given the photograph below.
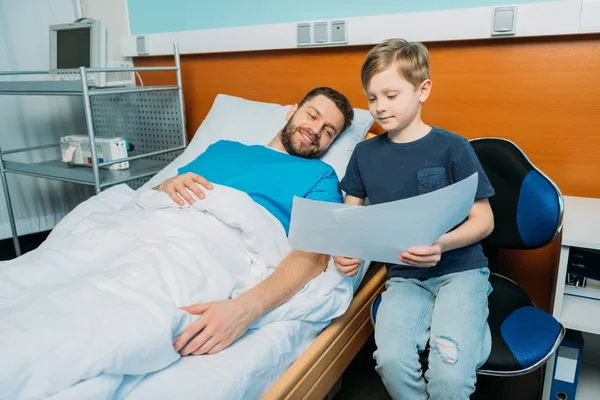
(528, 209)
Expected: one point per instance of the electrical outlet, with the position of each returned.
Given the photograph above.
(339, 32)
(321, 35)
(504, 21)
(142, 45)
(303, 37)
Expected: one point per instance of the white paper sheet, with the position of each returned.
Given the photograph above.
(380, 232)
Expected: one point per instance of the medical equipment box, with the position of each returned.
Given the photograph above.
(75, 150)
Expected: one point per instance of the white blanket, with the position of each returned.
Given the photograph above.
(98, 301)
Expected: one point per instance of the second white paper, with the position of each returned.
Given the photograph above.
(380, 232)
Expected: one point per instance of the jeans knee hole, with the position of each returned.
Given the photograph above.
(447, 348)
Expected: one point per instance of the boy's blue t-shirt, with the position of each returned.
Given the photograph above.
(385, 171)
(270, 177)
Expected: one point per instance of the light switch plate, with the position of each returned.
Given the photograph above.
(303, 34)
(339, 31)
(142, 45)
(321, 34)
(504, 21)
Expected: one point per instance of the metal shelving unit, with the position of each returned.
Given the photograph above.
(150, 117)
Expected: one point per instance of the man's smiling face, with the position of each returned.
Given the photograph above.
(312, 128)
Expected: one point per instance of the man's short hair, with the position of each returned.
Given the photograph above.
(410, 58)
(341, 102)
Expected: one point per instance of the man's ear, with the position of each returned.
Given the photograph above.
(425, 90)
(291, 112)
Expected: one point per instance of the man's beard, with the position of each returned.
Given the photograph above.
(292, 147)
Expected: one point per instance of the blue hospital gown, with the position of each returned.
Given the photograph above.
(270, 177)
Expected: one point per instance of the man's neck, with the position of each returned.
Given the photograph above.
(276, 143)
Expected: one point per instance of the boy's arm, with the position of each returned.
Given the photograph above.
(349, 266)
(479, 225)
(480, 222)
(355, 201)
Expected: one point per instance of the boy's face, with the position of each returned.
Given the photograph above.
(393, 101)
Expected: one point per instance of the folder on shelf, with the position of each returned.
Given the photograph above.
(566, 366)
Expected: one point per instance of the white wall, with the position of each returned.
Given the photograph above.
(39, 204)
(590, 16)
(564, 17)
(28, 121)
(114, 14)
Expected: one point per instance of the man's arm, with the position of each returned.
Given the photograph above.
(294, 272)
(223, 322)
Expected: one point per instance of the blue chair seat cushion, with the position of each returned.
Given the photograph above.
(374, 308)
(530, 334)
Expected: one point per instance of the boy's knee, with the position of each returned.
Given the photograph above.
(447, 349)
(453, 375)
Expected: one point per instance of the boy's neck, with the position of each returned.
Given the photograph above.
(416, 130)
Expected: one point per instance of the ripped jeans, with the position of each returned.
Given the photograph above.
(451, 313)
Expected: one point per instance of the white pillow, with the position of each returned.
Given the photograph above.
(253, 122)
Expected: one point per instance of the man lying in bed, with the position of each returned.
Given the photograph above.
(97, 306)
(271, 175)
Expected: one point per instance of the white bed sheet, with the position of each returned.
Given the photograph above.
(246, 370)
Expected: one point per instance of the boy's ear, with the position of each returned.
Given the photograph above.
(291, 112)
(425, 90)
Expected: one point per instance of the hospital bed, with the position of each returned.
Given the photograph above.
(281, 360)
(160, 251)
(248, 370)
(320, 367)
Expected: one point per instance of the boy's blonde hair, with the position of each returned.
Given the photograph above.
(411, 58)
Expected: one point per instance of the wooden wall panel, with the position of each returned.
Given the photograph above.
(544, 94)
(274, 76)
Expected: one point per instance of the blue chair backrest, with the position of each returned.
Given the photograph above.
(528, 206)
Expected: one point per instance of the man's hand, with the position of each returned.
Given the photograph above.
(178, 186)
(220, 324)
(423, 256)
(347, 266)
